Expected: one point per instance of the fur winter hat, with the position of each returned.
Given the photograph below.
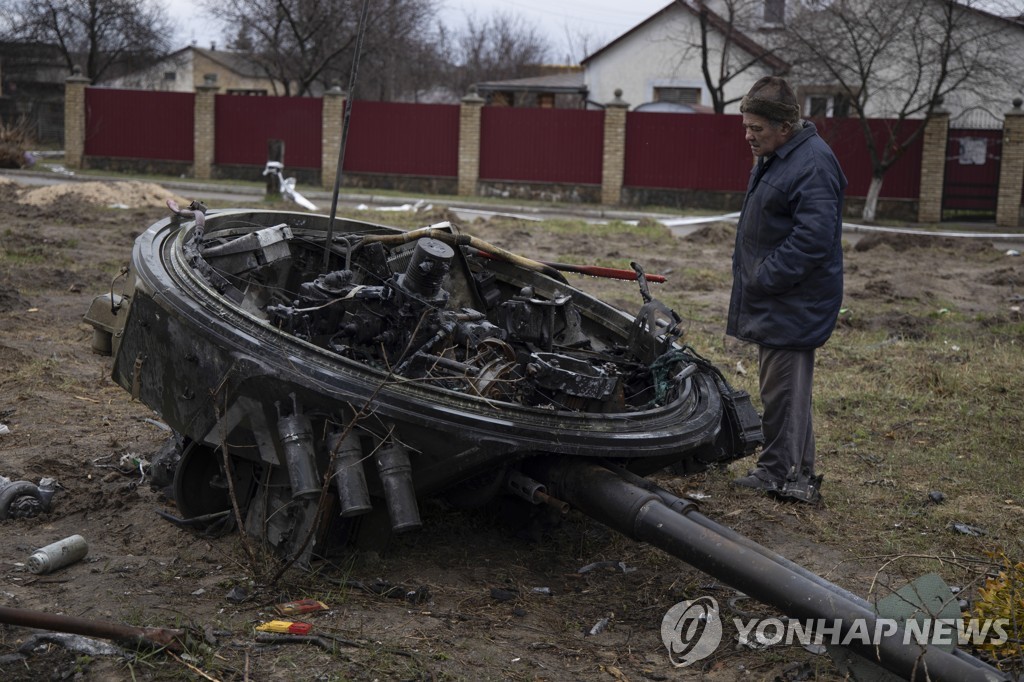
(772, 98)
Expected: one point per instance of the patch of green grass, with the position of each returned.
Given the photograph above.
(899, 420)
(25, 257)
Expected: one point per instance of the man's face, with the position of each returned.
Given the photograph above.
(764, 136)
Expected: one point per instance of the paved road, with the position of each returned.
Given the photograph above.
(468, 210)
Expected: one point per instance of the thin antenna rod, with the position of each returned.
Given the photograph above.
(349, 96)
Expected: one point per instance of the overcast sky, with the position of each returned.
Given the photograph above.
(570, 25)
(565, 22)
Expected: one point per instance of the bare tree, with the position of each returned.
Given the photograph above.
(100, 36)
(308, 44)
(401, 58)
(720, 42)
(500, 46)
(899, 61)
(580, 42)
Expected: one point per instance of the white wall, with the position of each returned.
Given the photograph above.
(658, 55)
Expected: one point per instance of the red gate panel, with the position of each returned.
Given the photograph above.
(971, 184)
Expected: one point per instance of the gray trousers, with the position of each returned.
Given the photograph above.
(786, 377)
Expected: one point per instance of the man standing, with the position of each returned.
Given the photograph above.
(787, 278)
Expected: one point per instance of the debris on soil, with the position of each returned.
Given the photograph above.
(499, 594)
(301, 606)
(614, 565)
(965, 529)
(599, 627)
(24, 499)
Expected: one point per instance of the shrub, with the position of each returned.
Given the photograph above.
(15, 142)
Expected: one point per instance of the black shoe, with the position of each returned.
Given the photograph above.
(752, 480)
(805, 489)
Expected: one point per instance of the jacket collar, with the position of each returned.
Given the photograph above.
(806, 132)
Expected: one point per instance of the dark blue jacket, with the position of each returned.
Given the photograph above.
(788, 264)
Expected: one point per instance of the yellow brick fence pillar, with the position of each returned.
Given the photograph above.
(332, 121)
(933, 167)
(74, 119)
(469, 143)
(613, 158)
(204, 128)
(1011, 170)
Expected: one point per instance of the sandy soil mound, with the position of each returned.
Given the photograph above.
(714, 234)
(122, 194)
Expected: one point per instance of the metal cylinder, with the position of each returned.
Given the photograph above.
(58, 555)
(395, 471)
(348, 474)
(102, 341)
(430, 262)
(642, 514)
(296, 434)
(529, 489)
(524, 486)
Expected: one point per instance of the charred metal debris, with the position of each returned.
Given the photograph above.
(413, 363)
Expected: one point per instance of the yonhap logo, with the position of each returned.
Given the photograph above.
(691, 631)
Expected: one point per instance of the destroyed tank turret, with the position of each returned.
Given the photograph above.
(321, 377)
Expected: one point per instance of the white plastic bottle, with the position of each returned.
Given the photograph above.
(58, 555)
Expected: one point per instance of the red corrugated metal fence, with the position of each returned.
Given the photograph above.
(709, 152)
(702, 152)
(404, 139)
(686, 151)
(245, 124)
(846, 137)
(541, 145)
(139, 124)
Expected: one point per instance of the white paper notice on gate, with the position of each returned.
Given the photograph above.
(973, 151)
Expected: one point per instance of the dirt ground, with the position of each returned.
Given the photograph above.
(477, 600)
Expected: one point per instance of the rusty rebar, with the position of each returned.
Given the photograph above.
(127, 635)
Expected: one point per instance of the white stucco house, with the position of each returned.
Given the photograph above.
(659, 59)
(653, 65)
(655, 61)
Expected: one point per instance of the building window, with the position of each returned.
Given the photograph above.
(498, 98)
(775, 12)
(170, 75)
(677, 95)
(835, 105)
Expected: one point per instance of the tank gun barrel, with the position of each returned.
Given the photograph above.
(640, 510)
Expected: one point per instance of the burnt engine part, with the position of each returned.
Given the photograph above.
(403, 325)
(296, 434)
(24, 499)
(405, 367)
(347, 472)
